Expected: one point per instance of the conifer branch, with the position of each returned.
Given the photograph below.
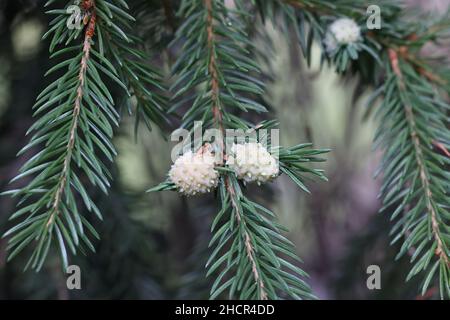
(215, 73)
(77, 114)
(217, 76)
(441, 249)
(218, 118)
(415, 181)
(75, 117)
(248, 243)
(413, 130)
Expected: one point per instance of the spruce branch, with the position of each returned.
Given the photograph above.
(419, 157)
(68, 132)
(218, 119)
(74, 131)
(418, 183)
(413, 129)
(214, 72)
(247, 242)
(89, 33)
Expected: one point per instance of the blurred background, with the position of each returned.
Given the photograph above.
(153, 246)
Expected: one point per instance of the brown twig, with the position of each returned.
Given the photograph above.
(212, 68)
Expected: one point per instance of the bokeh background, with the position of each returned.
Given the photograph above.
(153, 246)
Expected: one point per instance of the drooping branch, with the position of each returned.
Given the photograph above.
(413, 130)
(215, 74)
(74, 129)
(419, 157)
(218, 118)
(89, 33)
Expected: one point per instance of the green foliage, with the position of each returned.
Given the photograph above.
(413, 120)
(77, 116)
(227, 54)
(217, 76)
(248, 241)
(215, 73)
(255, 239)
(143, 80)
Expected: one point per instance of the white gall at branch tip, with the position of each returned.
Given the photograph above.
(341, 32)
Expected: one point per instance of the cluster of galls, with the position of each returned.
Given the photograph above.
(194, 173)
